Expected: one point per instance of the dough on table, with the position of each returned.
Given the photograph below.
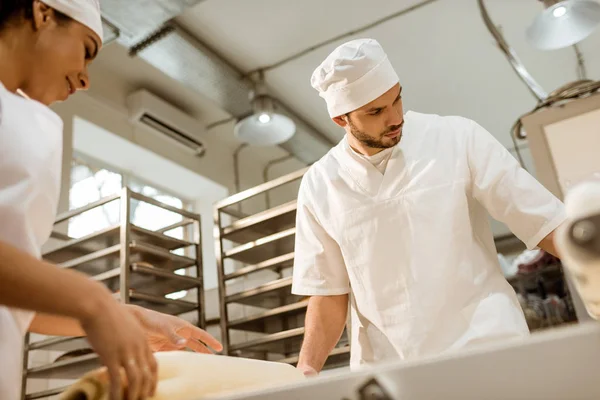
(192, 376)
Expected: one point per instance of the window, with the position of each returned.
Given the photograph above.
(91, 181)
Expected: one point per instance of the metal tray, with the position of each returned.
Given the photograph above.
(339, 356)
(46, 393)
(284, 342)
(108, 259)
(150, 280)
(109, 237)
(270, 295)
(73, 368)
(260, 322)
(161, 304)
(262, 224)
(277, 264)
(264, 248)
(64, 344)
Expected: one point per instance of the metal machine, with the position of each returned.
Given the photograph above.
(579, 243)
(554, 364)
(559, 363)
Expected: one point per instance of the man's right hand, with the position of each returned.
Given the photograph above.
(120, 342)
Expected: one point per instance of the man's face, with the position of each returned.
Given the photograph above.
(377, 125)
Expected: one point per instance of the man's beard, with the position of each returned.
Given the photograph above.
(381, 142)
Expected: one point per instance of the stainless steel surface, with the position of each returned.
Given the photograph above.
(46, 393)
(151, 280)
(110, 237)
(137, 264)
(109, 259)
(89, 261)
(268, 295)
(264, 248)
(267, 243)
(268, 239)
(255, 191)
(60, 236)
(184, 222)
(199, 274)
(70, 214)
(59, 344)
(154, 255)
(277, 263)
(260, 322)
(274, 343)
(223, 312)
(555, 364)
(164, 206)
(24, 365)
(160, 304)
(340, 356)
(262, 224)
(72, 368)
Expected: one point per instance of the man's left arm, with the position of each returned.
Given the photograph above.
(509, 193)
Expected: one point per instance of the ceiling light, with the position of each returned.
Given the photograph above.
(264, 118)
(559, 11)
(563, 23)
(265, 127)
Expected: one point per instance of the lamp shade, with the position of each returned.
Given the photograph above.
(265, 129)
(564, 24)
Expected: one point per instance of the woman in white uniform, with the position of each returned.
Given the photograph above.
(45, 48)
(396, 216)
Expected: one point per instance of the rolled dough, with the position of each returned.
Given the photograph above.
(194, 376)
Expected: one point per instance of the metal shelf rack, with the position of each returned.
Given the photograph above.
(246, 246)
(140, 266)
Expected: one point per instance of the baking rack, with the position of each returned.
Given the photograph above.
(259, 316)
(140, 266)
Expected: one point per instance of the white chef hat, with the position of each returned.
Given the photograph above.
(353, 75)
(86, 12)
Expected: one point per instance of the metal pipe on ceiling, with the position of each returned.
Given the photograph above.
(266, 170)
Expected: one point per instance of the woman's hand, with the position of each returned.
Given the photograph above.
(118, 339)
(166, 332)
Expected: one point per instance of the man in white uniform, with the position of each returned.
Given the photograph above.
(396, 217)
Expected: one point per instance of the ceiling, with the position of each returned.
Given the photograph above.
(447, 61)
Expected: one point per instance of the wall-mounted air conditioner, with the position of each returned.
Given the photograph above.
(163, 118)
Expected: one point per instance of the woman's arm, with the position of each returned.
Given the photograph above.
(54, 325)
(30, 284)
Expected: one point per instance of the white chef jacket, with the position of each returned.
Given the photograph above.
(378, 160)
(30, 169)
(413, 246)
